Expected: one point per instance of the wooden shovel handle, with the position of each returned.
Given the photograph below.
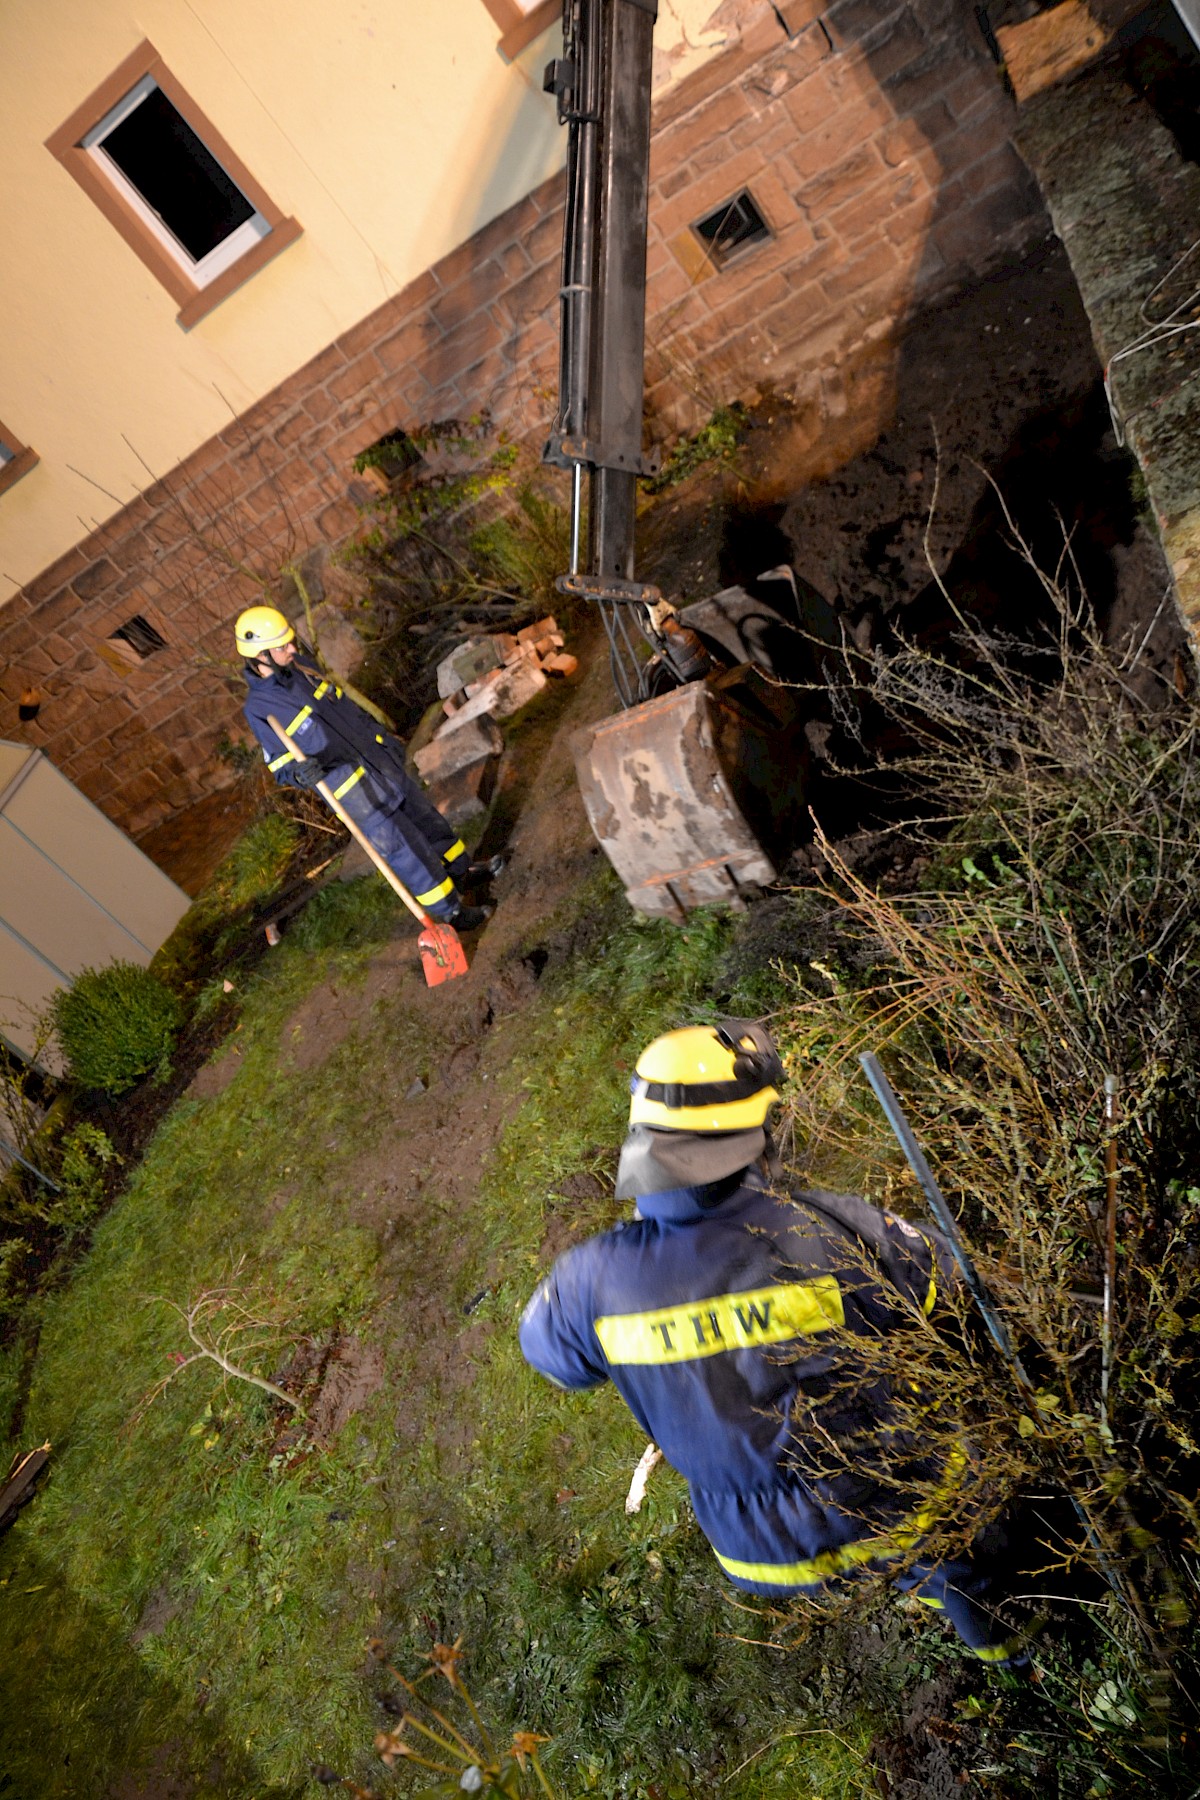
(359, 836)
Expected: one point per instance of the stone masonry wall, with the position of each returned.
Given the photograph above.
(877, 148)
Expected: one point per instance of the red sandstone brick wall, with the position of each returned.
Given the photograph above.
(878, 150)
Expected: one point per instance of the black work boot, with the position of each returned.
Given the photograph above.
(479, 872)
(470, 918)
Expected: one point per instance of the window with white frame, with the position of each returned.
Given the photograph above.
(157, 162)
(164, 176)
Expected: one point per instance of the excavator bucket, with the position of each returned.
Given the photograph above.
(695, 796)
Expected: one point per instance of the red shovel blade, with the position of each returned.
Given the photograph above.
(442, 955)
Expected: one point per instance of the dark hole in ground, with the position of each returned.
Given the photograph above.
(1060, 486)
(752, 541)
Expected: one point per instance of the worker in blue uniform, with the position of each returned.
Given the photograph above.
(736, 1318)
(360, 761)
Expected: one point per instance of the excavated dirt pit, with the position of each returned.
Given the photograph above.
(987, 423)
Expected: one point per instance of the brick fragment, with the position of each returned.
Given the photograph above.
(505, 690)
(467, 664)
(561, 662)
(457, 743)
(543, 628)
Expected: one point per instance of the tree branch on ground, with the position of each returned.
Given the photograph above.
(218, 1321)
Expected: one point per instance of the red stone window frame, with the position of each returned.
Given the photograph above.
(66, 144)
(20, 462)
(520, 26)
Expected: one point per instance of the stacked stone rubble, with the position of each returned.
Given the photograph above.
(483, 680)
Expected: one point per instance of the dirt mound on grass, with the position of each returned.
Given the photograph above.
(353, 1373)
(327, 1016)
(333, 1378)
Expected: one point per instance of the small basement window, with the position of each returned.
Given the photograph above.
(170, 184)
(131, 643)
(394, 454)
(382, 464)
(733, 226)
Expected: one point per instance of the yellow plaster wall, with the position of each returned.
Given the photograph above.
(391, 129)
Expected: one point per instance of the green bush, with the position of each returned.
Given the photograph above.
(716, 442)
(115, 1025)
(218, 919)
(86, 1154)
(526, 550)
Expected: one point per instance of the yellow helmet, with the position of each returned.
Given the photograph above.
(261, 628)
(707, 1078)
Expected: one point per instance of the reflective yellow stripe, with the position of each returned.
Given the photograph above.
(905, 1536)
(298, 721)
(927, 1600)
(994, 1653)
(724, 1115)
(930, 1297)
(437, 893)
(887, 1546)
(349, 782)
(320, 691)
(699, 1328)
(804, 1574)
(459, 849)
(279, 761)
(378, 739)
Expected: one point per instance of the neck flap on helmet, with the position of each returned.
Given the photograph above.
(653, 1161)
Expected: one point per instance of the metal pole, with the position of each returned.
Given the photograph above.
(576, 509)
(1110, 1248)
(617, 323)
(11, 1150)
(943, 1217)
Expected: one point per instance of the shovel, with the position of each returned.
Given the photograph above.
(442, 955)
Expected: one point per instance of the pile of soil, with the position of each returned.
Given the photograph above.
(986, 421)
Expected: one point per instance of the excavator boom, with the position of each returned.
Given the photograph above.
(673, 786)
(602, 85)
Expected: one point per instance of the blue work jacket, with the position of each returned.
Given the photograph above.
(329, 727)
(722, 1325)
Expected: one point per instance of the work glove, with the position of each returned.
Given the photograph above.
(308, 774)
